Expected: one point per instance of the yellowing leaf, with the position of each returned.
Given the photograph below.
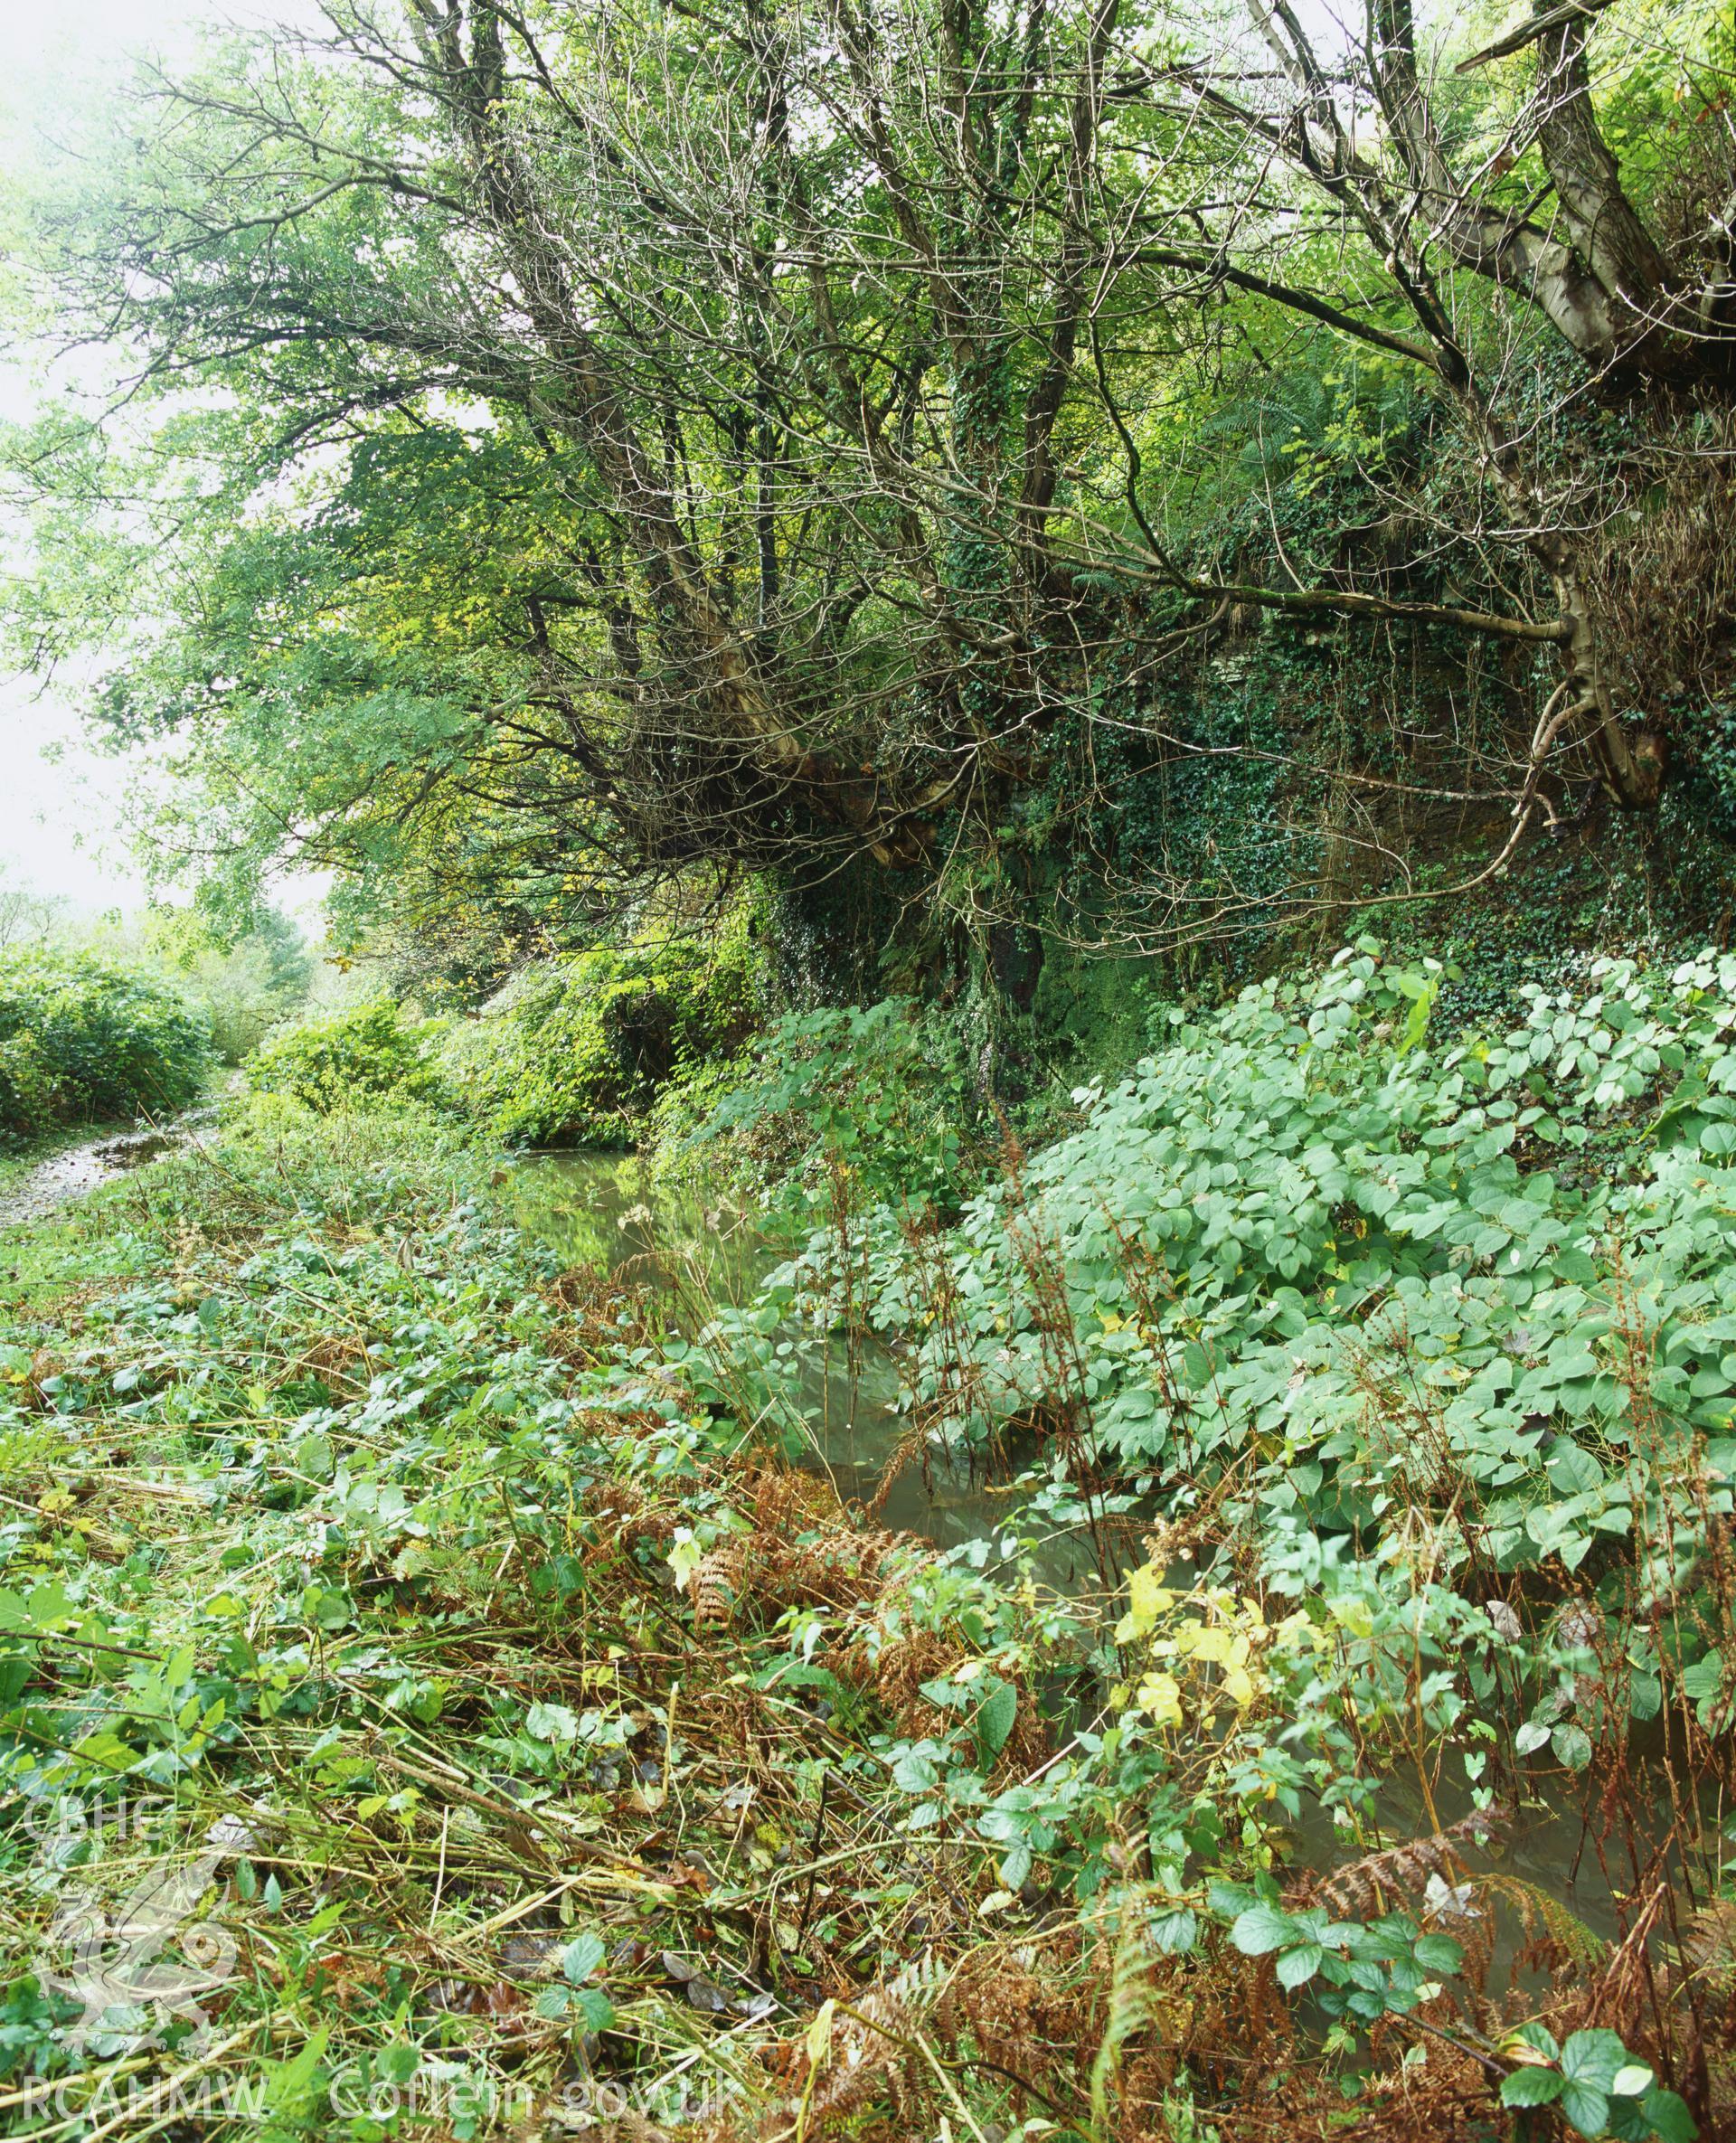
(819, 2033)
(1160, 1699)
(1149, 1601)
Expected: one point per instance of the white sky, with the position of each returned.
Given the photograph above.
(60, 828)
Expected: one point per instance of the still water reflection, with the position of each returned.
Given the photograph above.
(603, 1209)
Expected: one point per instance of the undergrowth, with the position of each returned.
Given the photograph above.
(433, 1702)
(84, 1040)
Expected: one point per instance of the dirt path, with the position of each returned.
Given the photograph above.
(77, 1169)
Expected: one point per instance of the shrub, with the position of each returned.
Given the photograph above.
(1416, 1355)
(676, 1132)
(246, 990)
(1302, 1216)
(367, 1056)
(28, 1095)
(577, 1051)
(875, 1090)
(82, 1039)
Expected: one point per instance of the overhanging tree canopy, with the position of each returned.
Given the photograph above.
(767, 435)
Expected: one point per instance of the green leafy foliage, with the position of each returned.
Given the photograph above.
(1368, 1971)
(474, 692)
(1354, 1285)
(877, 1093)
(367, 1056)
(480, 1579)
(82, 1039)
(245, 984)
(1286, 1204)
(1595, 2084)
(578, 1049)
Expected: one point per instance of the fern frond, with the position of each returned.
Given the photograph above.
(1132, 2004)
(1400, 1875)
(716, 1582)
(1544, 1918)
(1709, 1942)
(872, 2045)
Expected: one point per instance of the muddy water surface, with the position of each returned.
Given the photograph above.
(600, 1209)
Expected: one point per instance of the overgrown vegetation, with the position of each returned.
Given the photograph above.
(1138, 524)
(83, 1041)
(874, 1100)
(1077, 661)
(530, 1729)
(245, 982)
(578, 1052)
(574, 1052)
(370, 1055)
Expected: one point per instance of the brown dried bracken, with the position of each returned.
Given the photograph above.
(1381, 1882)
